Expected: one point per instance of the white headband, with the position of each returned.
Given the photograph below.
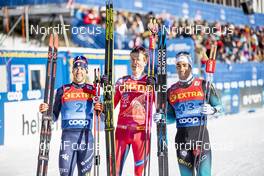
(184, 58)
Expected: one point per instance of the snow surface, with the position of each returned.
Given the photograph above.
(237, 141)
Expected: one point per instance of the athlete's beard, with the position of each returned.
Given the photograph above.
(79, 79)
(189, 78)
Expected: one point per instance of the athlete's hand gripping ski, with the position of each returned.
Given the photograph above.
(157, 117)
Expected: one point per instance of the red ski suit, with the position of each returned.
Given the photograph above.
(131, 125)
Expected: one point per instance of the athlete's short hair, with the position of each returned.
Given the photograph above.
(140, 49)
(80, 61)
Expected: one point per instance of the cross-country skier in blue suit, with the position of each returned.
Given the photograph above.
(74, 102)
(187, 107)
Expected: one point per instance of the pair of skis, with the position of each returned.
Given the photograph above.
(109, 91)
(108, 99)
(45, 133)
(161, 106)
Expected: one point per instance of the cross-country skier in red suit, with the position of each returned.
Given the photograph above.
(130, 92)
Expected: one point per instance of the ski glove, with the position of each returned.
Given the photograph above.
(207, 109)
(151, 80)
(157, 117)
(104, 80)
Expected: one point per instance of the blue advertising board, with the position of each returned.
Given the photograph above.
(1, 127)
(2, 123)
(88, 35)
(175, 46)
(238, 72)
(13, 3)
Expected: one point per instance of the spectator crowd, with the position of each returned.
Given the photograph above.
(236, 43)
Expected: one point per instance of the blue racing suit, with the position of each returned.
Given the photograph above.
(184, 103)
(75, 103)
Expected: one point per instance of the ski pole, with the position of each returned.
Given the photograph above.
(96, 123)
(153, 28)
(210, 69)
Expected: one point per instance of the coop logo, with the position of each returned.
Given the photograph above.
(34, 94)
(252, 99)
(189, 120)
(11, 96)
(79, 122)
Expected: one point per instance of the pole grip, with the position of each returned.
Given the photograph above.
(211, 63)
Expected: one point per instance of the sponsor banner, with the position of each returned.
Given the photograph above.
(23, 123)
(89, 35)
(225, 99)
(239, 72)
(2, 130)
(251, 97)
(29, 2)
(19, 116)
(263, 96)
(18, 74)
(230, 100)
(22, 135)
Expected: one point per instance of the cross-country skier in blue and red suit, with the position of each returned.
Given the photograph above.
(186, 106)
(75, 103)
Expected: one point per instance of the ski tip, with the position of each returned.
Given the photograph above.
(109, 2)
(99, 75)
(51, 41)
(56, 40)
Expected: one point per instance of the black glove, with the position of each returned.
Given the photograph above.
(151, 80)
(104, 80)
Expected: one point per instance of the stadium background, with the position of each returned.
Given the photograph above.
(23, 53)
